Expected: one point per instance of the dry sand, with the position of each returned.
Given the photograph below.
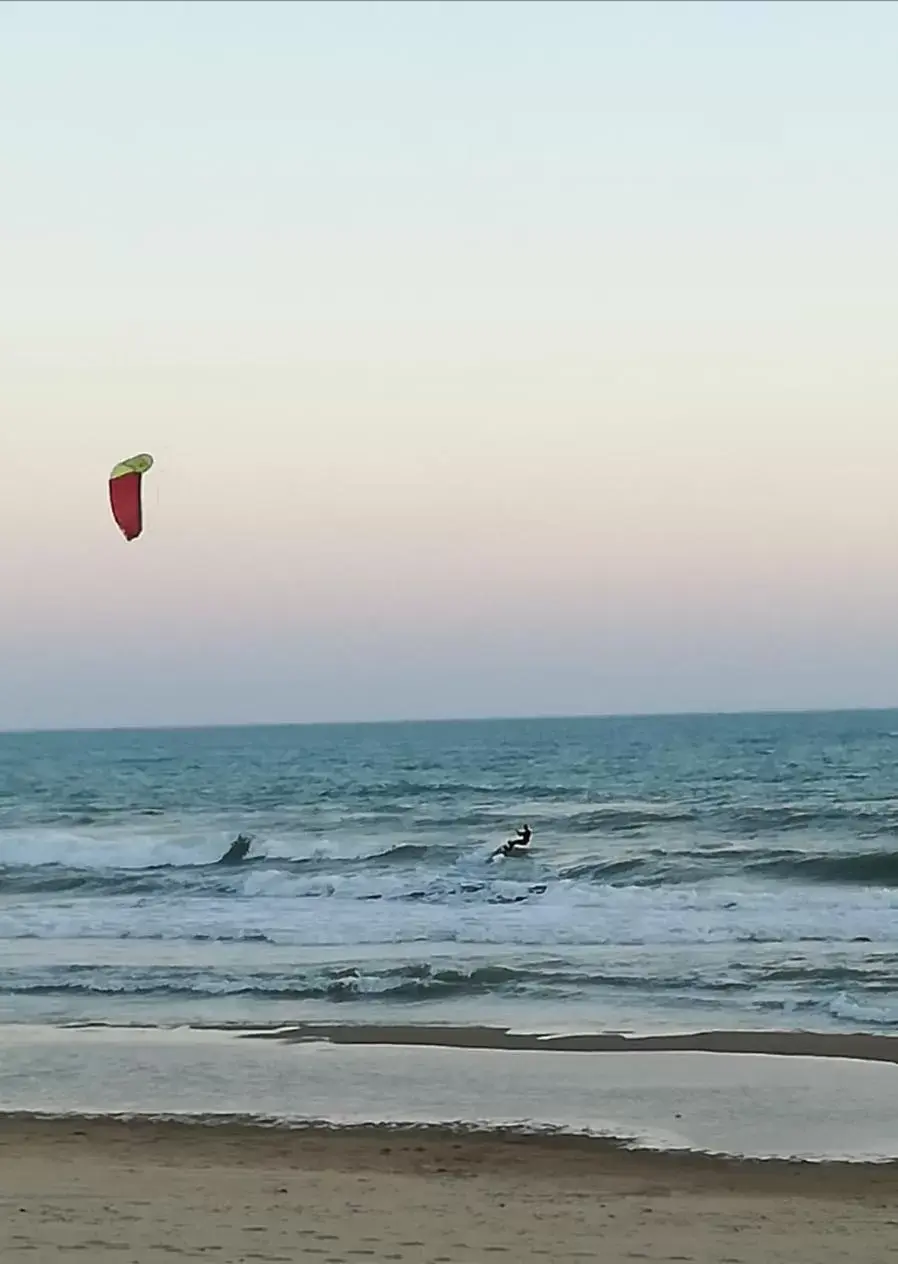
(146, 1192)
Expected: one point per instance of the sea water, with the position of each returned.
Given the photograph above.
(729, 871)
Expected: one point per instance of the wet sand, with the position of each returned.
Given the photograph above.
(146, 1192)
(808, 1044)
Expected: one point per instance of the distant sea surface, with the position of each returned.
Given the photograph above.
(730, 871)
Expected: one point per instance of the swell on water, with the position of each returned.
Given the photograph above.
(764, 988)
(870, 868)
(419, 872)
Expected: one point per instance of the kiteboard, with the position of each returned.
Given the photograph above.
(514, 853)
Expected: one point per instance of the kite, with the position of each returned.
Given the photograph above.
(124, 494)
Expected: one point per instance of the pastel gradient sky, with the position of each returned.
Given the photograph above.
(497, 358)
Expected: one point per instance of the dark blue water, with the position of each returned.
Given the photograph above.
(685, 870)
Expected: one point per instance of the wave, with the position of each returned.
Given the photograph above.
(415, 872)
(870, 868)
(759, 819)
(409, 982)
(766, 987)
(632, 868)
(657, 867)
(63, 880)
(624, 820)
(404, 791)
(878, 868)
(402, 854)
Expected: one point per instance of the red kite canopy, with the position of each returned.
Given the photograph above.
(124, 494)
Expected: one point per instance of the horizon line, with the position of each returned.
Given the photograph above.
(436, 720)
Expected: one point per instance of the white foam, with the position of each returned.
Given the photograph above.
(321, 910)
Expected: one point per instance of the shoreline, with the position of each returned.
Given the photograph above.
(787, 1096)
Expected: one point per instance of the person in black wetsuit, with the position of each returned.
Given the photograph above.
(237, 851)
(517, 844)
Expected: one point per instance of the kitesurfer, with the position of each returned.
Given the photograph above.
(237, 851)
(517, 844)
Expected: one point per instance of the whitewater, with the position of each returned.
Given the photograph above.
(737, 871)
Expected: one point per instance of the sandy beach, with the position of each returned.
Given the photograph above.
(148, 1192)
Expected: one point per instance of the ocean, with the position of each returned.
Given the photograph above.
(686, 873)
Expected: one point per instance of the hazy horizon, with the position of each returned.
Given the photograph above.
(400, 721)
(496, 359)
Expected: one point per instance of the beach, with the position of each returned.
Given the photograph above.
(448, 675)
(668, 1034)
(150, 1192)
(820, 1105)
(108, 1150)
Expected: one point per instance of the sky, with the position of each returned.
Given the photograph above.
(496, 358)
